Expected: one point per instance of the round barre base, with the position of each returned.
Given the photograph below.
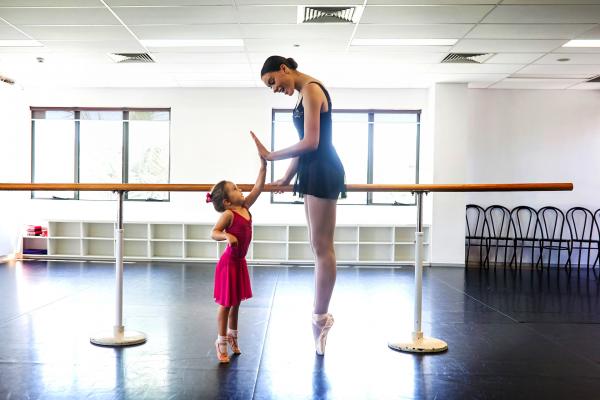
(420, 344)
(119, 338)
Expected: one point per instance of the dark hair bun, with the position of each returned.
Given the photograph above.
(292, 63)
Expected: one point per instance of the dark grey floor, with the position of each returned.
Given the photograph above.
(511, 334)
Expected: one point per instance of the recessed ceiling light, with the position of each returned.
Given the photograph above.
(582, 43)
(20, 43)
(194, 43)
(563, 59)
(404, 42)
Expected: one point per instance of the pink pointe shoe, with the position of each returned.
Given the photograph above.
(222, 356)
(324, 322)
(232, 340)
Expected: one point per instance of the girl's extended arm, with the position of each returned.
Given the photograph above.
(312, 101)
(218, 232)
(258, 186)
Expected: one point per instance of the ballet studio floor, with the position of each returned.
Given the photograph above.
(512, 334)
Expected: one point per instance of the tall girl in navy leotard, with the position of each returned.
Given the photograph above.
(319, 176)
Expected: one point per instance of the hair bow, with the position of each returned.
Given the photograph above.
(208, 198)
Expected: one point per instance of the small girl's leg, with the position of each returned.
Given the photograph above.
(232, 331)
(221, 342)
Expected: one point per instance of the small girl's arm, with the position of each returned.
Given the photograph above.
(258, 186)
(218, 233)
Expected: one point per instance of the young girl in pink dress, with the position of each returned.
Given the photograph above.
(232, 282)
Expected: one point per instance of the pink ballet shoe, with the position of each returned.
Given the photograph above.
(222, 356)
(232, 340)
(325, 325)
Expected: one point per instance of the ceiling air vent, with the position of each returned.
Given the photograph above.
(329, 15)
(466, 58)
(131, 58)
(6, 80)
(594, 79)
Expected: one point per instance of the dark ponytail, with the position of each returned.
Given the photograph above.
(273, 63)
(218, 196)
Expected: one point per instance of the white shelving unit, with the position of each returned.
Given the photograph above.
(171, 241)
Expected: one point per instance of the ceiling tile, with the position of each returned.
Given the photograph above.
(58, 16)
(586, 86)
(430, 31)
(79, 33)
(550, 1)
(186, 32)
(511, 83)
(298, 32)
(7, 32)
(50, 3)
(524, 31)
(200, 58)
(586, 58)
(423, 15)
(593, 33)
(114, 46)
(544, 14)
(514, 58)
(583, 70)
(475, 68)
(176, 3)
(267, 14)
(507, 46)
(176, 15)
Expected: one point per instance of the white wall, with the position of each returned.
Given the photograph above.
(209, 142)
(535, 136)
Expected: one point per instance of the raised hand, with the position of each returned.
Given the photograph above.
(262, 150)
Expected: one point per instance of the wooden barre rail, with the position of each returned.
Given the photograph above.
(176, 187)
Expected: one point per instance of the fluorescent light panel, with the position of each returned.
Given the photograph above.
(20, 43)
(404, 42)
(582, 43)
(194, 43)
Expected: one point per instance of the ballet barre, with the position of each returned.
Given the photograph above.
(417, 343)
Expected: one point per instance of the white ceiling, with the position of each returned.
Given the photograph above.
(77, 35)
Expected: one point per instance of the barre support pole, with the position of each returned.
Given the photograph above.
(119, 336)
(419, 343)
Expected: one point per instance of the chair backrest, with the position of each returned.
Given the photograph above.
(475, 225)
(497, 219)
(596, 230)
(581, 223)
(551, 223)
(525, 222)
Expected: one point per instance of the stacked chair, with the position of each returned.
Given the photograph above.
(543, 237)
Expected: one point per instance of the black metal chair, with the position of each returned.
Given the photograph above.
(501, 233)
(552, 235)
(597, 221)
(476, 235)
(584, 232)
(525, 224)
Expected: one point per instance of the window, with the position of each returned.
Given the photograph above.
(375, 146)
(100, 146)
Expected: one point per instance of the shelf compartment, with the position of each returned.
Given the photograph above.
(135, 231)
(300, 252)
(34, 245)
(64, 229)
(98, 247)
(136, 248)
(198, 232)
(375, 252)
(166, 231)
(270, 233)
(346, 252)
(376, 234)
(65, 247)
(346, 234)
(99, 230)
(298, 234)
(269, 251)
(201, 250)
(407, 233)
(166, 249)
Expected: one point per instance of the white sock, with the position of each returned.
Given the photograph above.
(232, 332)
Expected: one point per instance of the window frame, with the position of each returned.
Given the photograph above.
(124, 146)
(371, 118)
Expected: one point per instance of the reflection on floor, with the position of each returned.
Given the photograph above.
(511, 334)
